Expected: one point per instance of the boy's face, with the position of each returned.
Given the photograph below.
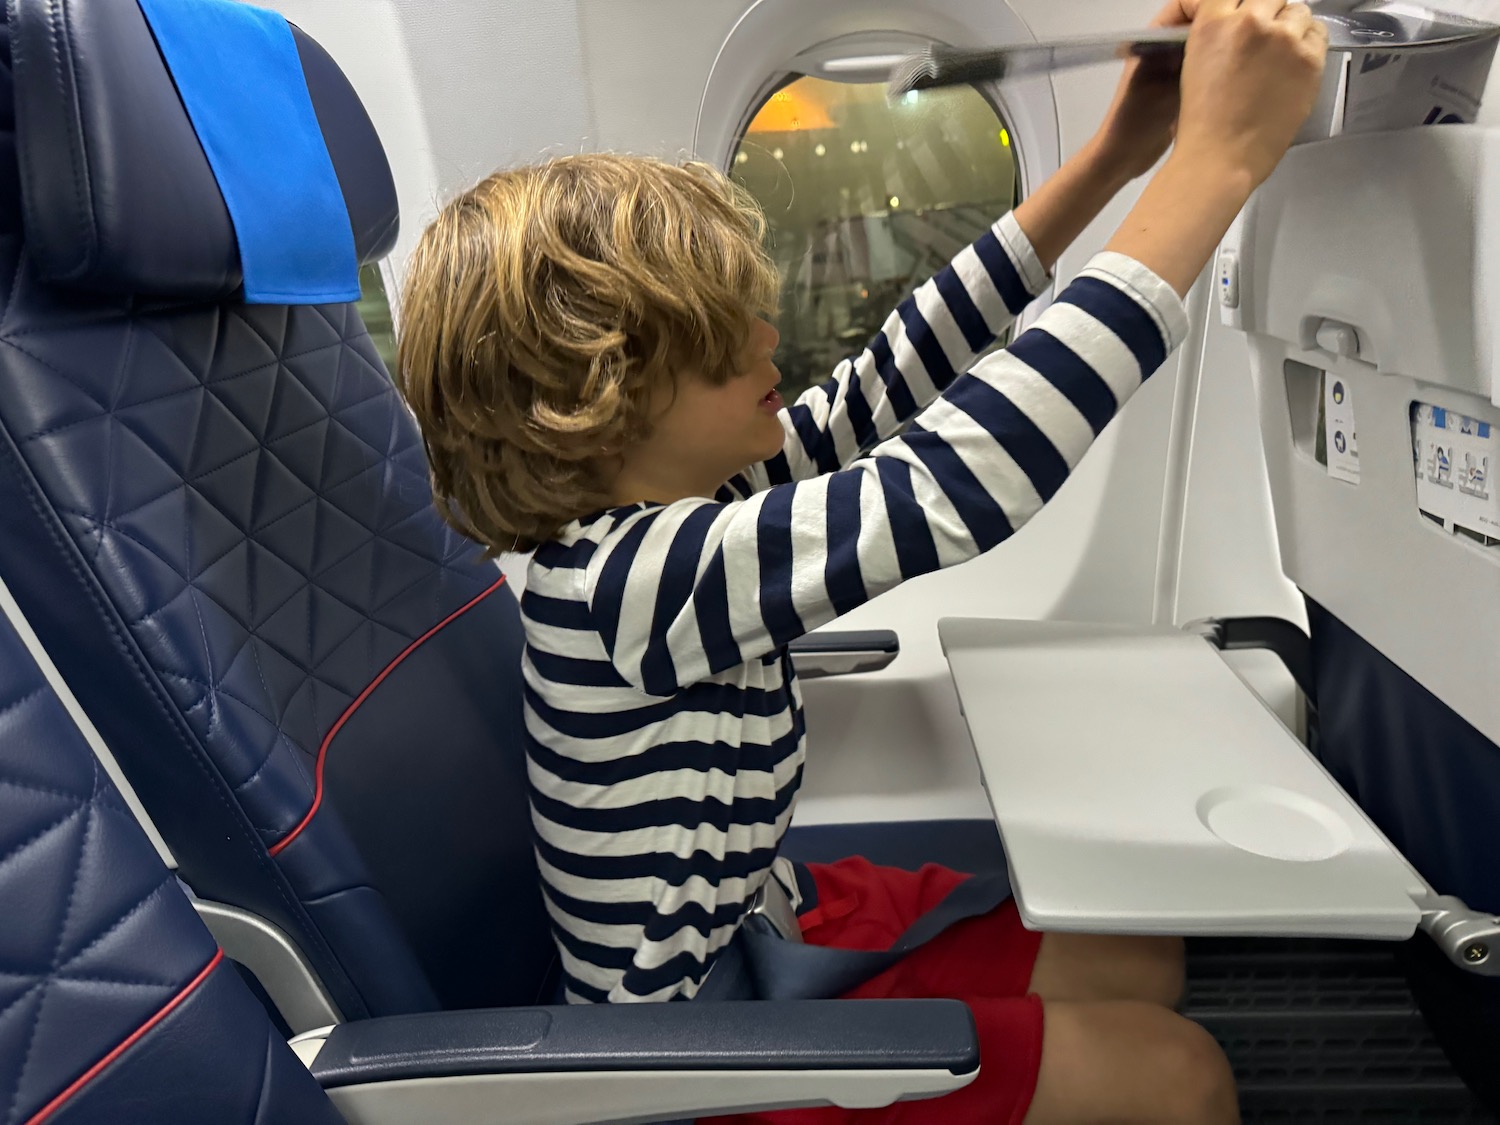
(704, 433)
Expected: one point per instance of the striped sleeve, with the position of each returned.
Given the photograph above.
(697, 587)
(930, 337)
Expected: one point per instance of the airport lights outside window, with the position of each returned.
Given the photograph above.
(866, 199)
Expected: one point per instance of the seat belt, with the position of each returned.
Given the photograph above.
(760, 963)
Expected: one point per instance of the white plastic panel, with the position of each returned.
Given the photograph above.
(771, 35)
(1387, 233)
(625, 1097)
(1394, 236)
(1140, 787)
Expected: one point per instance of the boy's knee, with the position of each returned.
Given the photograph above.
(1093, 967)
(1168, 978)
(1130, 1061)
(1154, 969)
(1197, 1083)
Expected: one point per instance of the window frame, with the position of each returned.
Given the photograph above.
(776, 41)
(993, 93)
(807, 66)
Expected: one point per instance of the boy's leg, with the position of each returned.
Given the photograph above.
(1126, 1062)
(1077, 967)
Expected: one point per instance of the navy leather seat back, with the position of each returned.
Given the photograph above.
(1432, 784)
(112, 993)
(217, 517)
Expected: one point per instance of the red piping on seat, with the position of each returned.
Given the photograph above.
(359, 699)
(83, 1079)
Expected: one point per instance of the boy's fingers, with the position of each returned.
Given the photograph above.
(1175, 14)
(1210, 9)
(1297, 16)
(1266, 9)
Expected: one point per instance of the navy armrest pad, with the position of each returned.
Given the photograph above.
(749, 1035)
(848, 640)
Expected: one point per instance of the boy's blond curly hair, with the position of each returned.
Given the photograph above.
(541, 310)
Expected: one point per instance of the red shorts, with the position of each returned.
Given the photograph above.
(985, 962)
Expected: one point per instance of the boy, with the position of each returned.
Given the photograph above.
(584, 349)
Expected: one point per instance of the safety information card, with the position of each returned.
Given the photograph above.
(1453, 456)
(1338, 430)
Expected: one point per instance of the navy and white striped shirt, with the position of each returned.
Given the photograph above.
(666, 734)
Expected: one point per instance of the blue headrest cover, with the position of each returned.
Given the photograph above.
(120, 196)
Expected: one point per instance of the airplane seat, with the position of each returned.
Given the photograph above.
(217, 517)
(113, 993)
(1431, 781)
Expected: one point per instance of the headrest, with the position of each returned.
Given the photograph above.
(192, 149)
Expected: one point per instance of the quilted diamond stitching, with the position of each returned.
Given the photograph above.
(16, 704)
(20, 850)
(191, 592)
(377, 554)
(75, 976)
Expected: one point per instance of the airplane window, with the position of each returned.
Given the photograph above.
(865, 200)
(374, 309)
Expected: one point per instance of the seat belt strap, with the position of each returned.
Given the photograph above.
(760, 964)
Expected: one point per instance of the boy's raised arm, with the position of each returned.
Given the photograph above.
(919, 350)
(693, 589)
(940, 329)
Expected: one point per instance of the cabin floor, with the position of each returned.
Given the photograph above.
(1323, 1031)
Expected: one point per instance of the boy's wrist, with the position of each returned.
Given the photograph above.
(1054, 215)
(1213, 170)
(1181, 216)
(1107, 164)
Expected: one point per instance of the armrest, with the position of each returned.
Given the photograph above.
(842, 652)
(642, 1062)
(745, 1035)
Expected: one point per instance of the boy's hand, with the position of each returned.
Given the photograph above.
(1249, 80)
(1142, 120)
